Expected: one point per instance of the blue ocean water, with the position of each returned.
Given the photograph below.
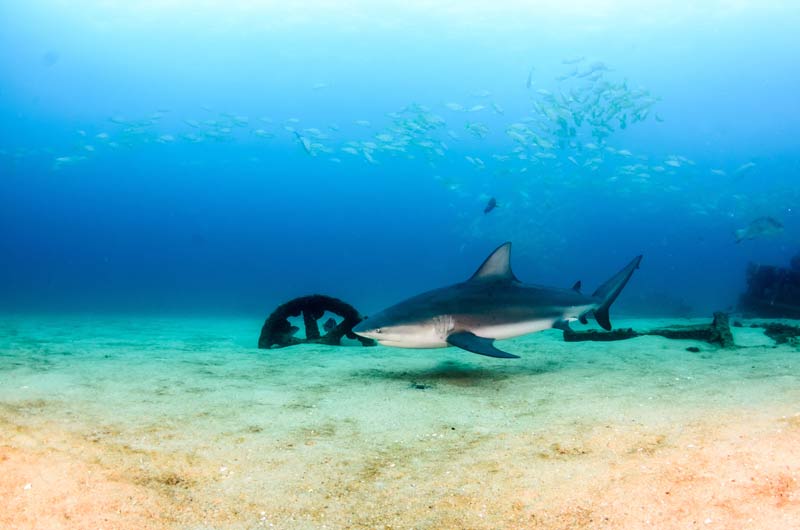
(171, 170)
(210, 157)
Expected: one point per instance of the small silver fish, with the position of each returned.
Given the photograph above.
(529, 82)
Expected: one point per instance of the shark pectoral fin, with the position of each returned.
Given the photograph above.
(480, 345)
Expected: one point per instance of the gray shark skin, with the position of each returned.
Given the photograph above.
(492, 304)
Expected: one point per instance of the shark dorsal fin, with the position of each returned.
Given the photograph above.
(497, 266)
(577, 286)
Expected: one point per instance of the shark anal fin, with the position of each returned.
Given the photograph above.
(480, 345)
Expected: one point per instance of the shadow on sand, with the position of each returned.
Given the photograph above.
(457, 374)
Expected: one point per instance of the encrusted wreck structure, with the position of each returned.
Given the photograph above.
(278, 332)
(772, 292)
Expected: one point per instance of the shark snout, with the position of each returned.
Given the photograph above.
(361, 327)
(380, 328)
(366, 328)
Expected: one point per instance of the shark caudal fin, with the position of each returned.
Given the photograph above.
(609, 291)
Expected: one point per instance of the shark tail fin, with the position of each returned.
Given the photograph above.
(609, 291)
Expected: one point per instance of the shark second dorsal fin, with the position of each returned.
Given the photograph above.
(577, 286)
(497, 266)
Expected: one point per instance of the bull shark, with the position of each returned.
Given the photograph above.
(492, 304)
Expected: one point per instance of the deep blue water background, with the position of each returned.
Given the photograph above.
(241, 225)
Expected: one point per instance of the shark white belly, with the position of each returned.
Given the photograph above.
(513, 329)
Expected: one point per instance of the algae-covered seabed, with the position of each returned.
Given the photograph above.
(182, 423)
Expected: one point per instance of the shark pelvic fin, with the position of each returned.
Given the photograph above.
(480, 345)
(577, 286)
(562, 324)
(497, 266)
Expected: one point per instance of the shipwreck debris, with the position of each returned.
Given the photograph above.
(781, 333)
(772, 292)
(717, 333)
(277, 332)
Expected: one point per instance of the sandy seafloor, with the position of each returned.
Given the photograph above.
(139, 422)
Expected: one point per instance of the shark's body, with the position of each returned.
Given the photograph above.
(492, 304)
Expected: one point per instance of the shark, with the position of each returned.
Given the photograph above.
(491, 305)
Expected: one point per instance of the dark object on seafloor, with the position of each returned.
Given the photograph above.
(278, 332)
(717, 333)
(600, 336)
(782, 333)
(772, 292)
(693, 349)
